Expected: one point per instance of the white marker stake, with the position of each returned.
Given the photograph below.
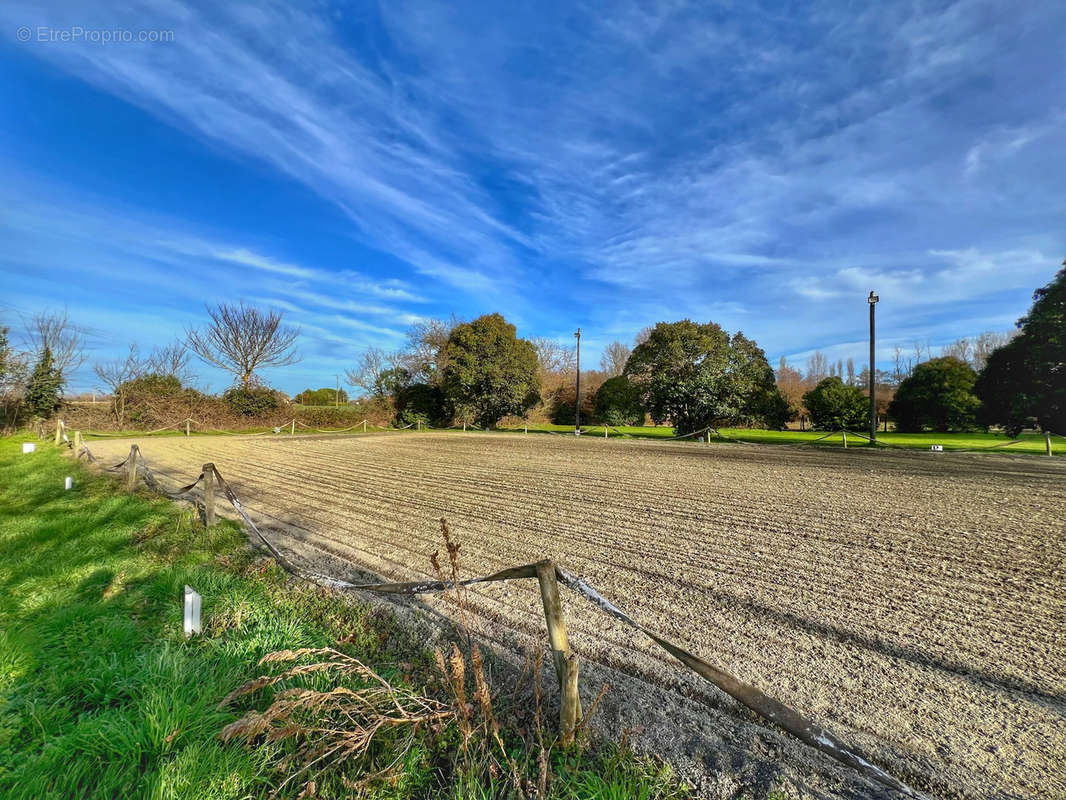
(937, 448)
(68, 482)
(29, 447)
(192, 611)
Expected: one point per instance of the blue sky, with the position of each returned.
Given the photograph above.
(362, 166)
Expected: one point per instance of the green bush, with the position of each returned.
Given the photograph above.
(833, 405)
(618, 403)
(419, 402)
(251, 402)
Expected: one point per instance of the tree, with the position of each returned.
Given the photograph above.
(424, 355)
(696, 375)
(618, 402)
(817, 367)
(44, 386)
(117, 375)
(791, 385)
(554, 358)
(378, 373)
(53, 331)
(833, 405)
(490, 373)
(12, 380)
(938, 395)
(1025, 380)
(614, 358)
(171, 359)
(243, 339)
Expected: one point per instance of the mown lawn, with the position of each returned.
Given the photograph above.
(992, 442)
(101, 695)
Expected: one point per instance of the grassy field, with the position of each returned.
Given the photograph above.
(101, 696)
(993, 442)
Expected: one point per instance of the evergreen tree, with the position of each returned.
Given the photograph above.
(44, 386)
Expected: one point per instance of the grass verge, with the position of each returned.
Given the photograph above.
(101, 696)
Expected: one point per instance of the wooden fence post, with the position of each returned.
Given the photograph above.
(209, 494)
(844, 434)
(131, 467)
(364, 425)
(59, 432)
(565, 662)
(186, 426)
(77, 442)
(292, 430)
(1047, 441)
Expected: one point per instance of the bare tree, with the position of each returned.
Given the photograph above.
(851, 371)
(372, 372)
(987, 342)
(54, 331)
(171, 360)
(901, 366)
(614, 358)
(554, 358)
(961, 349)
(642, 335)
(425, 354)
(817, 367)
(976, 351)
(242, 339)
(116, 375)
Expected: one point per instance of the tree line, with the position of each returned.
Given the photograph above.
(685, 373)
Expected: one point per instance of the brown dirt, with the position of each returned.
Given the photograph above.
(912, 603)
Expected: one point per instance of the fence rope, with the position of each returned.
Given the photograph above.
(753, 698)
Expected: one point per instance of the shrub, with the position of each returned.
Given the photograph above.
(618, 402)
(419, 402)
(833, 405)
(252, 401)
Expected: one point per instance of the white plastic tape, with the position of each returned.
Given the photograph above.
(29, 447)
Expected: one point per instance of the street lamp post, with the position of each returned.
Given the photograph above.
(577, 391)
(872, 300)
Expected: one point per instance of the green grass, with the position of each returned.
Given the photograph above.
(101, 696)
(1030, 442)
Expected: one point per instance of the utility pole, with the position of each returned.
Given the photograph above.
(577, 393)
(872, 300)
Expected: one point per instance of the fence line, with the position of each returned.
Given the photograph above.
(548, 573)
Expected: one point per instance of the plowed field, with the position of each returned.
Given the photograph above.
(913, 603)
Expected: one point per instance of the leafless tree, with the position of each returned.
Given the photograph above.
(817, 367)
(242, 339)
(116, 374)
(372, 371)
(851, 371)
(976, 351)
(554, 358)
(614, 358)
(961, 349)
(987, 342)
(642, 336)
(425, 355)
(171, 360)
(54, 330)
(901, 366)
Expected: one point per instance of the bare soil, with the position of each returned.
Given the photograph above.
(913, 603)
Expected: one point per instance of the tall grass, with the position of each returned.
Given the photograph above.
(101, 696)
